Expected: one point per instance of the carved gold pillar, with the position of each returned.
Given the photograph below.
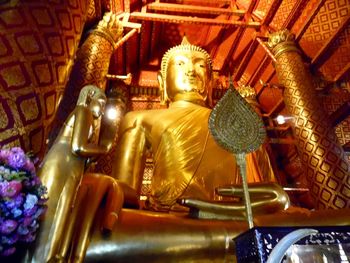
(91, 65)
(324, 161)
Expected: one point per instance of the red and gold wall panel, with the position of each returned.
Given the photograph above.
(38, 40)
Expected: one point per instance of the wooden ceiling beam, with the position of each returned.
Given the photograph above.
(277, 108)
(271, 12)
(294, 14)
(308, 20)
(240, 33)
(257, 73)
(252, 48)
(340, 114)
(344, 72)
(192, 20)
(243, 65)
(204, 2)
(192, 9)
(321, 55)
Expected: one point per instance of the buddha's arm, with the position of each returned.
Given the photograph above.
(264, 196)
(82, 125)
(130, 153)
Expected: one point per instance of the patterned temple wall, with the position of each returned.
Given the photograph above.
(38, 41)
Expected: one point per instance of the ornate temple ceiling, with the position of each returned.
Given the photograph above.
(233, 32)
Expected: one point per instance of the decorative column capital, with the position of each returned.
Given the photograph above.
(282, 41)
(109, 28)
(246, 91)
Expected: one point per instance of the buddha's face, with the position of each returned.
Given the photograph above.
(188, 76)
(97, 106)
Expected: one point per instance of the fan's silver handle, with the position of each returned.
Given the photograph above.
(242, 167)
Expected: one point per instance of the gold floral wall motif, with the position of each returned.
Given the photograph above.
(38, 41)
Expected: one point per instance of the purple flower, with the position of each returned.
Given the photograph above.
(8, 226)
(27, 221)
(29, 166)
(30, 202)
(10, 189)
(15, 202)
(22, 230)
(30, 211)
(4, 154)
(16, 212)
(22, 199)
(17, 159)
(8, 251)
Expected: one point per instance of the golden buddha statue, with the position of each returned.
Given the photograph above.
(64, 165)
(187, 161)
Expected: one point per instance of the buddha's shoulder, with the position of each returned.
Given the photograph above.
(145, 115)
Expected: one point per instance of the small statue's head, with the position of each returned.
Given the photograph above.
(94, 98)
(186, 74)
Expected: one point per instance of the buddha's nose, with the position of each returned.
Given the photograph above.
(190, 70)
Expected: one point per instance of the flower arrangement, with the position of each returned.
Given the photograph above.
(22, 200)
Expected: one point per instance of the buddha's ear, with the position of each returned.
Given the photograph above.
(162, 89)
(210, 92)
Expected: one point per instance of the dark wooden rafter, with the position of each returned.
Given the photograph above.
(192, 9)
(343, 73)
(277, 108)
(145, 41)
(191, 20)
(321, 55)
(271, 12)
(340, 114)
(267, 50)
(243, 65)
(204, 2)
(294, 14)
(240, 33)
(257, 73)
(254, 44)
(156, 29)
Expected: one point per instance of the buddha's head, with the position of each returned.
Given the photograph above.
(186, 74)
(94, 98)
